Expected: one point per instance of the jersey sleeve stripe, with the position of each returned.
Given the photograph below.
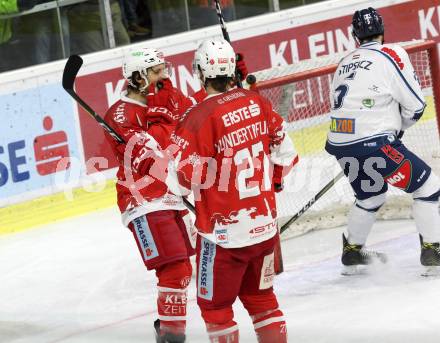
(418, 114)
(403, 78)
(194, 102)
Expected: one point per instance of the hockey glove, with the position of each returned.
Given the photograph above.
(163, 94)
(278, 187)
(278, 178)
(240, 67)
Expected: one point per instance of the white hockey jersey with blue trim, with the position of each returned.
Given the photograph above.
(376, 94)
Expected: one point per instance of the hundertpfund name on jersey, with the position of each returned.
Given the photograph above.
(242, 134)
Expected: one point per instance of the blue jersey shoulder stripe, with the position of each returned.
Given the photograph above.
(417, 115)
(401, 75)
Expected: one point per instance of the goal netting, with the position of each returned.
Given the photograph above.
(301, 94)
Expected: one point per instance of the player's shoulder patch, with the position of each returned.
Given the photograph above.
(396, 53)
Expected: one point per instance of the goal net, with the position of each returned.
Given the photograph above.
(301, 94)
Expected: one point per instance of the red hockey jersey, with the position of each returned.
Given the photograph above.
(230, 145)
(143, 164)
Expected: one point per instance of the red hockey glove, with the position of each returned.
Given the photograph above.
(240, 67)
(163, 94)
(277, 178)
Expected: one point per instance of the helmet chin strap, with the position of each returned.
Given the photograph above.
(143, 89)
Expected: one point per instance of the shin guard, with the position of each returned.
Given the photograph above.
(270, 327)
(223, 333)
(171, 307)
(172, 296)
(220, 325)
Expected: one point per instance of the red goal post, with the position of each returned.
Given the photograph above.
(301, 94)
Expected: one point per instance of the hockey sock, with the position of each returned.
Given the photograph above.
(359, 225)
(172, 296)
(220, 325)
(223, 333)
(427, 220)
(171, 306)
(270, 327)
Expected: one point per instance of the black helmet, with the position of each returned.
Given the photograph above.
(367, 23)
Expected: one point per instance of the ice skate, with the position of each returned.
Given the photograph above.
(430, 258)
(355, 258)
(167, 337)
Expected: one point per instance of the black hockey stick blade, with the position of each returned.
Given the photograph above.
(324, 190)
(71, 69)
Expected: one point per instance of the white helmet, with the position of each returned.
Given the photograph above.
(214, 58)
(140, 60)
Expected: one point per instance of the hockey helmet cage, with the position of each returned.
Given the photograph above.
(140, 60)
(367, 23)
(214, 58)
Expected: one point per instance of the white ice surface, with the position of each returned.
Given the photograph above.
(81, 280)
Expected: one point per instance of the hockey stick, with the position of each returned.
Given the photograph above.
(71, 69)
(311, 202)
(218, 9)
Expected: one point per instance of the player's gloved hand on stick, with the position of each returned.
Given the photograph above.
(240, 67)
(278, 187)
(277, 178)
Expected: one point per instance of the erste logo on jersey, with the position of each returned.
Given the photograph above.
(393, 54)
(240, 114)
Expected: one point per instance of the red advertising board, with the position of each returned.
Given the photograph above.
(407, 21)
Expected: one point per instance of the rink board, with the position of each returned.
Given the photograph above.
(34, 189)
(61, 205)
